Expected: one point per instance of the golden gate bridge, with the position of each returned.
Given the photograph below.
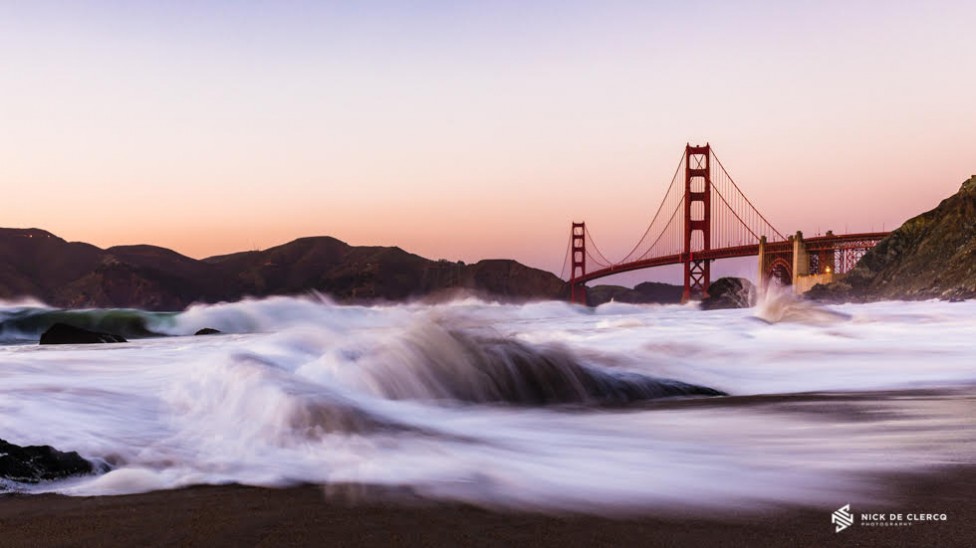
(705, 216)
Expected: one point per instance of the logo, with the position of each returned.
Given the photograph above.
(842, 518)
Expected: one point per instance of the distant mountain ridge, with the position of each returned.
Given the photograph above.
(642, 293)
(36, 263)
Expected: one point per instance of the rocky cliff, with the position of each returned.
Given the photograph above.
(931, 256)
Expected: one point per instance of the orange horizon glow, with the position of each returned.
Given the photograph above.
(476, 131)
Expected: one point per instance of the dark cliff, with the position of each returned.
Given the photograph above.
(931, 256)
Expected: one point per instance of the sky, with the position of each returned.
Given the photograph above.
(471, 130)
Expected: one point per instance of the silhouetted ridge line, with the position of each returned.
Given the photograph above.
(37, 264)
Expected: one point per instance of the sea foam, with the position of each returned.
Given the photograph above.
(450, 400)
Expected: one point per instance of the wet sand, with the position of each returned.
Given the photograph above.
(309, 516)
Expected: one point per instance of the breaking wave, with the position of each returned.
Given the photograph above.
(437, 364)
(28, 322)
(779, 304)
(536, 406)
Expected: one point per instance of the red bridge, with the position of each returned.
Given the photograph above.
(705, 216)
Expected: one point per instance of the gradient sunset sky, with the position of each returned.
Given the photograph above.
(470, 130)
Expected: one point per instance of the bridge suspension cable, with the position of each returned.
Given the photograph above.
(600, 259)
(672, 196)
(569, 247)
(741, 207)
(671, 236)
(735, 221)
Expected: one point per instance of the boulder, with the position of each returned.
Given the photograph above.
(208, 331)
(35, 463)
(62, 333)
(729, 293)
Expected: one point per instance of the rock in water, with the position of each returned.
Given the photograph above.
(36, 463)
(208, 331)
(931, 256)
(730, 293)
(62, 333)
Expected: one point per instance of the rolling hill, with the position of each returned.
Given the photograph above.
(35, 263)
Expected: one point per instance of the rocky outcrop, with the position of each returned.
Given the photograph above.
(35, 463)
(62, 333)
(931, 256)
(208, 331)
(729, 293)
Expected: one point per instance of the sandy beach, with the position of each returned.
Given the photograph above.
(309, 516)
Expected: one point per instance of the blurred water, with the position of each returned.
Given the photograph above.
(437, 398)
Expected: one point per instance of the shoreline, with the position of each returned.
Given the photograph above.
(235, 515)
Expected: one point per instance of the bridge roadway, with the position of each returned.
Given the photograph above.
(816, 243)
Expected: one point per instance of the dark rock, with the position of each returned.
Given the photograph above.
(35, 463)
(208, 331)
(932, 255)
(729, 293)
(836, 291)
(62, 333)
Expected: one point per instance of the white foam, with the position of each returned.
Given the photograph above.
(295, 395)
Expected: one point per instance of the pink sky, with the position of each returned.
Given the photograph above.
(471, 132)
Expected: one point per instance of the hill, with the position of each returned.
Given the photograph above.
(643, 293)
(38, 264)
(931, 256)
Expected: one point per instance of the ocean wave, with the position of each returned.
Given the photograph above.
(539, 406)
(778, 303)
(27, 322)
(435, 363)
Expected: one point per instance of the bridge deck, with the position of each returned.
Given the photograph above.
(816, 243)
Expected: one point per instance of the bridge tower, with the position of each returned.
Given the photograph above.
(698, 218)
(577, 290)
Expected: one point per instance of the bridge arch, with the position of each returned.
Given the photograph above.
(781, 270)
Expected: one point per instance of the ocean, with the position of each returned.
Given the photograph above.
(542, 406)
